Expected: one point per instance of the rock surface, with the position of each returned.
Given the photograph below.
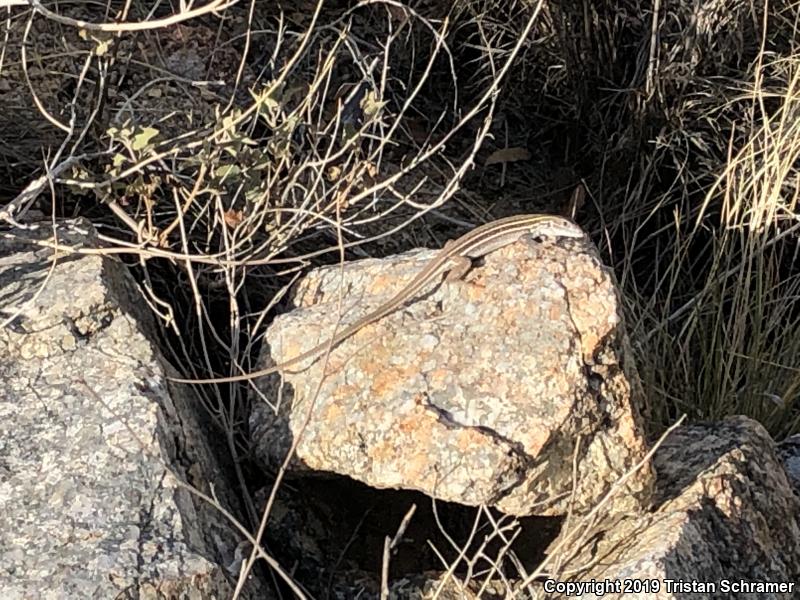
(725, 511)
(789, 453)
(486, 391)
(90, 440)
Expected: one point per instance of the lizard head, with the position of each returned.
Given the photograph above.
(554, 226)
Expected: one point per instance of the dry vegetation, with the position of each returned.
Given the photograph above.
(221, 152)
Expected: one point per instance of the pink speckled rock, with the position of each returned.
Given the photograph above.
(485, 391)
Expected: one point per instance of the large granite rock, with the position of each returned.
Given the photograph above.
(94, 446)
(504, 389)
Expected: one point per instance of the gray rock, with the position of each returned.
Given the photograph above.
(725, 512)
(91, 441)
(789, 453)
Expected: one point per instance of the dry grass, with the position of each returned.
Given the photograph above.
(715, 324)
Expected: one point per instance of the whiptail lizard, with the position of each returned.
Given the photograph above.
(455, 259)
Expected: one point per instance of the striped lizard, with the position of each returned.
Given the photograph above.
(455, 259)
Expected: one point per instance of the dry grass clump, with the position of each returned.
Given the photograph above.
(704, 235)
(728, 330)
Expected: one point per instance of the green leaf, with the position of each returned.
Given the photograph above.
(142, 139)
(226, 171)
(371, 105)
